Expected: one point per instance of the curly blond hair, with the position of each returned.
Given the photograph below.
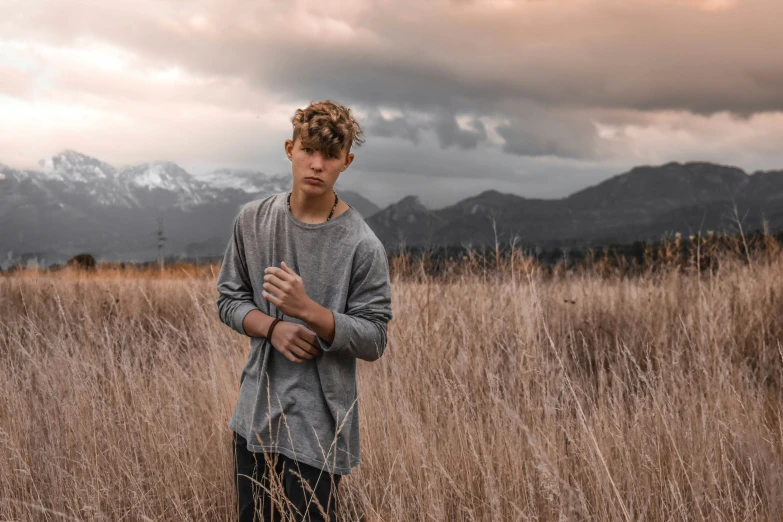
(327, 127)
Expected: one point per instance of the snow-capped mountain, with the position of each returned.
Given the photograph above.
(169, 178)
(73, 172)
(246, 180)
(154, 183)
(76, 203)
(75, 167)
(160, 175)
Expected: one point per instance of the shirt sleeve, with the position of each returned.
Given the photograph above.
(233, 284)
(361, 330)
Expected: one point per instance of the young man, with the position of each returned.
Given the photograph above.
(307, 279)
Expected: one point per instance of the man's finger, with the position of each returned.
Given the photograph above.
(311, 338)
(300, 352)
(271, 298)
(288, 268)
(279, 272)
(291, 357)
(274, 280)
(307, 347)
(308, 336)
(278, 290)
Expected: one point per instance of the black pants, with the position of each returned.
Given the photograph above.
(283, 497)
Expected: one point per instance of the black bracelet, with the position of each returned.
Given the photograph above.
(272, 327)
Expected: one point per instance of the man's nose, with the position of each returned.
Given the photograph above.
(317, 161)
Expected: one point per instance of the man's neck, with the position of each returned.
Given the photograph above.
(310, 208)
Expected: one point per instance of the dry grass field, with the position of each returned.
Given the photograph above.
(507, 394)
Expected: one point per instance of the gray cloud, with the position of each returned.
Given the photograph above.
(524, 142)
(444, 125)
(568, 137)
(387, 170)
(590, 84)
(450, 133)
(394, 127)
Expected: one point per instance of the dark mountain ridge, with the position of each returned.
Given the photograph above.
(641, 204)
(76, 203)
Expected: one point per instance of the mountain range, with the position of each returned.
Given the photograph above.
(75, 203)
(644, 203)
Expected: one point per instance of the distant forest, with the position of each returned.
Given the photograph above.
(629, 258)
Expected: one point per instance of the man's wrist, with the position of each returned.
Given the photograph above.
(256, 323)
(310, 311)
(320, 319)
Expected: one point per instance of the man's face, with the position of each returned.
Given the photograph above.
(314, 171)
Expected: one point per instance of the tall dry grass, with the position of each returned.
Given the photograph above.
(503, 395)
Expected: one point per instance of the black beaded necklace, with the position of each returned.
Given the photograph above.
(288, 201)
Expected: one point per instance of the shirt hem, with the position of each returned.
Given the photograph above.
(299, 458)
(310, 461)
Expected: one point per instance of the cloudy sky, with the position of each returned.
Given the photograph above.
(540, 97)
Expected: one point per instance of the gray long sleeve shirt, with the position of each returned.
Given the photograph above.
(307, 411)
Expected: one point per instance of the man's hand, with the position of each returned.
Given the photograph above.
(285, 289)
(297, 342)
